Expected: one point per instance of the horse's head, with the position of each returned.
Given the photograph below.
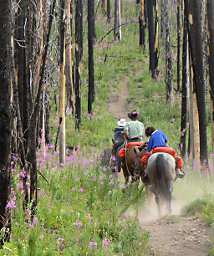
(139, 151)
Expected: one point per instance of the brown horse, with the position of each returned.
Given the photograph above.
(130, 166)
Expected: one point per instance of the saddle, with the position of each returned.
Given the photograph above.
(122, 151)
(168, 150)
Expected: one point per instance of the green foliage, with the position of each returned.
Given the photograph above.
(79, 207)
(196, 207)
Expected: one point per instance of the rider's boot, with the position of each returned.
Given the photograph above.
(145, 179)
(179, 173)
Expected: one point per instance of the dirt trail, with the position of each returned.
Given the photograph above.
(178, 236)
(117, 102)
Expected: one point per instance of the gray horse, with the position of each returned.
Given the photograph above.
(161, 173)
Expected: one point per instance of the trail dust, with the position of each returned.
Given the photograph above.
(178, 235)
(117, 103)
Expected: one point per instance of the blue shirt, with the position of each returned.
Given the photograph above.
(157, 139)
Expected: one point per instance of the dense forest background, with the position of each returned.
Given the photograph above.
(63, 64)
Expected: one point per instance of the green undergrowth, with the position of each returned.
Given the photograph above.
(79, 213)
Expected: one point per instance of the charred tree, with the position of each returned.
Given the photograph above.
(196, 49)
(91, 29)
(68, 55)
(103, 6)
(5, 111)
(62, 85)
(117, 20)
(78, 58)
(108, 10)
(185, 85)
(142, 24)
(210, 17)
(21, 70)
(178, 44)
(168, 55)
(153, 37)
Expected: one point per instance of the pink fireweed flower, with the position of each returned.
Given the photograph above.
(50, 146)
(106, 243)
(92, 245)
(82, 190)
(20, 186)
(78, 224)
(23, 174)
(71, 158)
(11, 204)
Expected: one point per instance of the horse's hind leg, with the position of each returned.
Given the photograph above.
(169, 199)
(125, 174)
(157, 200)
(169, 203)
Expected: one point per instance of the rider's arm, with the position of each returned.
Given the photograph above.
(150, 144)
(126, 131)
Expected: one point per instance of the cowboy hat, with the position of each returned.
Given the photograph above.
(121, 122)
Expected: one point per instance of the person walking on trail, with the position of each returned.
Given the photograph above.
(158, 139)
(134, 130)
(118, 142)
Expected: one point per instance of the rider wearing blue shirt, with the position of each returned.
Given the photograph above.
(157, 138)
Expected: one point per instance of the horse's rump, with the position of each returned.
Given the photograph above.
(161, 172)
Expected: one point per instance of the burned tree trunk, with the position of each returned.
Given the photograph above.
(68, 56)
(103, 6)
(185, 86)
(196, 47)
(62, 85)
(210, 17)
(153, 37)
(142, 24)
(91, 29)
(178, 44)
(5, 112)
(78, 58)
(168, 55)
(117, 20)
(108, 10)
(20, 64)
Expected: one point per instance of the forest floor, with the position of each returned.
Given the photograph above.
(173, 235)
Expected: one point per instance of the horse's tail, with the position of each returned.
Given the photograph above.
(163, 180)
(159, 166)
